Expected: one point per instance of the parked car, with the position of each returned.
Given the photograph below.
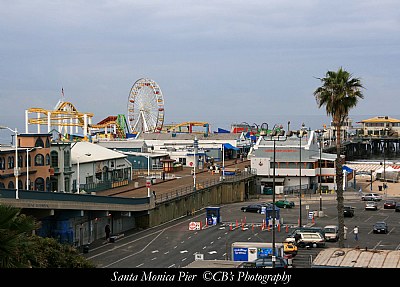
(284, 204)
(252, 208)
(331, 233)
(371, 205)
(312, 239)
(266, 262)
(389, 204)
(297, 230)
(371, 196)
(348, 211)
(397, 207)
(380, 227)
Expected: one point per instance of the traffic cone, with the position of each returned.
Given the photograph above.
(313, 220)
(237, 223)
(287, 228)
(230, 226)
(252, 227)
(279, 227)
(262, 225)
(242, 226)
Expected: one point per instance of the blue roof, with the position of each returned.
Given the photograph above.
(229, 146)
(347, 169)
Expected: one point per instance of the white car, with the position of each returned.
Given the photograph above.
(371, 196)
(331, 233)
(371, 205)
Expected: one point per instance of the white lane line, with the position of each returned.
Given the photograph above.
(139, 265)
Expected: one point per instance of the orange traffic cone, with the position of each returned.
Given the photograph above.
(237, 223)
(279, 227)
(230, 226)
(287, 228)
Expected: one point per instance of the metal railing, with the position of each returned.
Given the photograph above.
(200, 185)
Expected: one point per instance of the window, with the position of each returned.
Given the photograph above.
(54, 159)
(2, 163)
(47, 159)
(10, 162)
(11, 185)
(39, 184)
(39, 143)
(39, 160)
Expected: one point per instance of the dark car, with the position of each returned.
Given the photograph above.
(266, 262)
(380, 227)
(348, 211)
(252, 208)
(284, 204)
(389, 204)
(397, 207)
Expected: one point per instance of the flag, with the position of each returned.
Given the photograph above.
(62, 92)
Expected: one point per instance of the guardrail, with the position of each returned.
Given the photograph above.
(189, 189)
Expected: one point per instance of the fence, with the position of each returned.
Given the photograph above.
(189, 189)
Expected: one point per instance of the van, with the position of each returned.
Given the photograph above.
(306, 229)
(312, 239)
(331, 233)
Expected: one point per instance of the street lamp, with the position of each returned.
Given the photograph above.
(78, 175)
(274, 136)
(148, 175)
(195, 148)
(223, 161)
(319, 133)
(300, 133)
(16, 170)
(27, 165)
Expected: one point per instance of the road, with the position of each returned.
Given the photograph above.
(173, 245)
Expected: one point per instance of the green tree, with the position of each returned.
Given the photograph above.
(15, 229)
(20, 248)
(339, 93)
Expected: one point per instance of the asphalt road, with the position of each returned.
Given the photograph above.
(173, 245)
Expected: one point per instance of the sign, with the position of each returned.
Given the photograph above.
(191, 163)
(194, 225)
(240, 254)
(148, 183)
(310, 215)
(307, 207)
(198, 256)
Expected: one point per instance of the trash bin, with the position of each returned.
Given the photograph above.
(86, 249)
(380, 187)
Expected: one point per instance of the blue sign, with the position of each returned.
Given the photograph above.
(264, 252)
(240, 254)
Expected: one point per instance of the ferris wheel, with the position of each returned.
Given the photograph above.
(145, 107)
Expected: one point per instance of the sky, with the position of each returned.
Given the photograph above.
(220, 62)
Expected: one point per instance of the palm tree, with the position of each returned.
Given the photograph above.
(339, 92)
(15, 229)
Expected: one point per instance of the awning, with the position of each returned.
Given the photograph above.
(229, 146)
(347, 169)
(271, 179)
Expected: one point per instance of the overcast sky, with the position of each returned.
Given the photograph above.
(220, 62)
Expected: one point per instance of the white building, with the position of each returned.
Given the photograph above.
(289, 165)
(94, 165)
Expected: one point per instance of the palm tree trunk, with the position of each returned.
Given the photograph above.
(339, 185)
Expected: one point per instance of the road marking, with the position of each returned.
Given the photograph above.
(182, 241)
(166, 252)
(219, 237)
(204, 247)
(377, 244)
(172, 265)
(133, 254)
(139, 265)
(183, 251)
(189, 237)
(211, 242)
(398, 247)
(154, 251)
(154, 258)
(184, 259)
(212, 252)
(175, 246)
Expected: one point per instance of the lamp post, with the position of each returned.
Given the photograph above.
(16, 170)
(319, 132)
(223, 161)
(274, 136)
(195, 148)
(148, 175)
(300, 135)
(77, 171)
